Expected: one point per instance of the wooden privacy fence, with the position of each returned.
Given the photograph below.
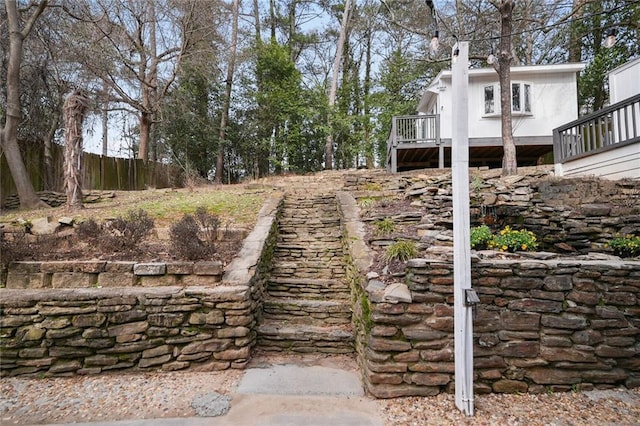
(99, 173)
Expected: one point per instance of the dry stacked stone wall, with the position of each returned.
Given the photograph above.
(556, 324)
(89, 331)
(66, 318)
(574, 215)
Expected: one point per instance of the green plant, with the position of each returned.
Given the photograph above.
(511, 240)
(481, 236)
(372, 186)
(627, 246)
(366, 202)
(402, 250)
(384, 226)
(476, 184)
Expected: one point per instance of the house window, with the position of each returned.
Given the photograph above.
(515, 97)
(520, 99)
(489, 100)
(527, 97)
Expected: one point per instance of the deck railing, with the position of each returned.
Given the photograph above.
(614, 126)
(410, 129)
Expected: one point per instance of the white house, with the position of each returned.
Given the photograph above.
(543, 98)
(605, 143)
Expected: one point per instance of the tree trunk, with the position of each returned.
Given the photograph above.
(9, 132)
(575, 41)
(75, 108)
(509, 161)
(227, 94)
(328, 147)
(145, 133)
(272, 19)
(105, 120)
(48, 154)
(367, 89)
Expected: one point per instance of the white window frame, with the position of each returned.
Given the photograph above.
(524, 106)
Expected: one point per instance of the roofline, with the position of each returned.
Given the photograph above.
(624, 66)
(538, 69)
(515, 70)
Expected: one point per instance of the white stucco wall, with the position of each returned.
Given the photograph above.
(554, 103)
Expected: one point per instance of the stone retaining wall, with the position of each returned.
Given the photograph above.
(567, 215)
(557, 324)
(104, 316)
(88, 331)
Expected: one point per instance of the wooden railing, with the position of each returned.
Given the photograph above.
(413, 129)
(614, 126)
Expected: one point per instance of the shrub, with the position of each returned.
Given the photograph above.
(402, 250)
(14, 246)
(185, 235)
(384, 226)
(481, 236)
(511, 240)
(209, 224)
(627, 246)
(125, 233)
(184, 238)
(88, 230)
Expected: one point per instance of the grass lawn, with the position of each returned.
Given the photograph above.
(235, 205)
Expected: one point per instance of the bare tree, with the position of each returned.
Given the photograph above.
(227, 93)
(75, 108)
(134, 48)
(328, 147)
(9, 131)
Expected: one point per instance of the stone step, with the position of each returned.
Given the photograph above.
(335, 271)
(283, 336)
(308, 311)
(305, 256)
(307, 287)
(289, 243)
(291, 261)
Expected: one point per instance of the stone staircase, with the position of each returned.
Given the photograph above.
(307, 306)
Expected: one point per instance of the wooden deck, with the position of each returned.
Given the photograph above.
(415, 143)
(424, 157)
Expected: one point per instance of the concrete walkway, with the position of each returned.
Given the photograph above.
(280, 395)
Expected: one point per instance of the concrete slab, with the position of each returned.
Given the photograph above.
(286, 395)
(300, 380)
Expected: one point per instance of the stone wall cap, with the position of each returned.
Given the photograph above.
(9, 296)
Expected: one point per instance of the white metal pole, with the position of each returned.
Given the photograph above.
(463, 337)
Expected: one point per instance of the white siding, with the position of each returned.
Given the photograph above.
(617, 163)
(624, 82)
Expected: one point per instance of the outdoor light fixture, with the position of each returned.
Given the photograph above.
(491, 59)
(434, 44)
(610, 40)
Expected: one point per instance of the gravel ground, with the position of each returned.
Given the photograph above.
(157, 395)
